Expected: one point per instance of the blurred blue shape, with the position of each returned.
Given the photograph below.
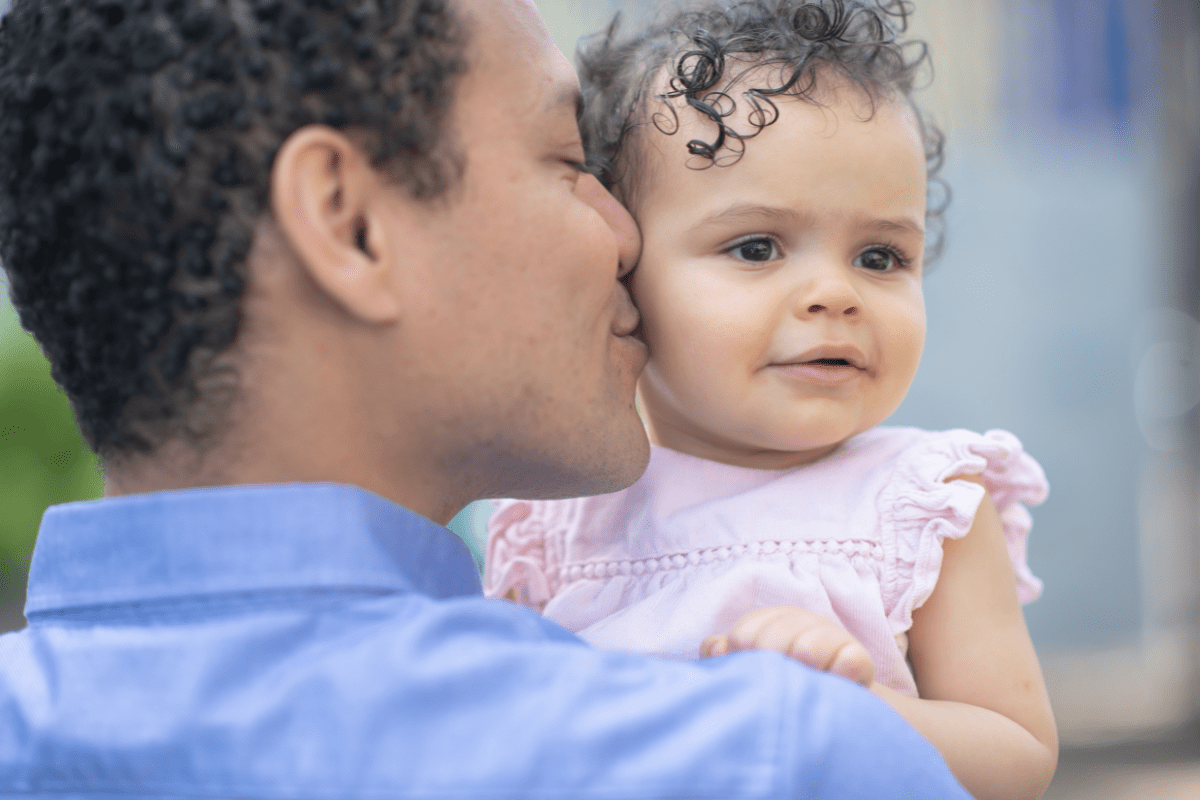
(1117, 49)
(470, 525)
(1054, 263)
(1099, 61)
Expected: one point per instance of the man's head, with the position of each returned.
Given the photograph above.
(338, 225)
(136, 141)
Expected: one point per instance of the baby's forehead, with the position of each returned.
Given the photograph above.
(747, 94)
(681, 130)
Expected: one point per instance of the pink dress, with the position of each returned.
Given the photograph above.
(694, 544)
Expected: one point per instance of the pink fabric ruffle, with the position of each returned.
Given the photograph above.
(922, 507)
(516, 555)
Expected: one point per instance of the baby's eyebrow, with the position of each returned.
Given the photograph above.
(750, 213)
(899, 224)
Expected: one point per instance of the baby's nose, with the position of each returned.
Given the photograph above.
(830, 292)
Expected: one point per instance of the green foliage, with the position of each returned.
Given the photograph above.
(43, 458)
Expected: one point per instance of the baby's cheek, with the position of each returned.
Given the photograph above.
(910, 346)
(901, 328)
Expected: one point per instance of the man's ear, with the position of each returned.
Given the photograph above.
(325, 200)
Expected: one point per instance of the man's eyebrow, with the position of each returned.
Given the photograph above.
(568, 96)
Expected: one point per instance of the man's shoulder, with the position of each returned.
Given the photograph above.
(410, 696)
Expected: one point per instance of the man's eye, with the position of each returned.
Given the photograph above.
(879, 260)
(756, 250)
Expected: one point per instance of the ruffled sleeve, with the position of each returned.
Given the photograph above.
(516, 554)
(920, 508)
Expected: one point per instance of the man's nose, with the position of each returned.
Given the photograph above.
(629, 240)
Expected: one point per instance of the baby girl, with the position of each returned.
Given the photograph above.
(772, 155)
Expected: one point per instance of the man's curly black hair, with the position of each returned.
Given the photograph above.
(705, 55)
(136, 142)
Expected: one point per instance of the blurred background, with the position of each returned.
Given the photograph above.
(1064, 309)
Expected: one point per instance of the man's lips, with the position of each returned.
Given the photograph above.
(628, 320)
(628, 330)
(635, 348)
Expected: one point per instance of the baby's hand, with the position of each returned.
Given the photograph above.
(800, 634)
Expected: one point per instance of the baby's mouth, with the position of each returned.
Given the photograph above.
(832, 362)
(825, 371)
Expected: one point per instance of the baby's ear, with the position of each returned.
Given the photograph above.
(324, 198)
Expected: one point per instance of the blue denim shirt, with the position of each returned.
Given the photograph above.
(317, 641)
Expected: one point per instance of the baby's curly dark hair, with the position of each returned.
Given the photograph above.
(136, 143)
(705, 51)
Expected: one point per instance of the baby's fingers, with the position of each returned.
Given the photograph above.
(800, 634)
(773, 628)
(831, 649)
(853, 662)
(715, 645)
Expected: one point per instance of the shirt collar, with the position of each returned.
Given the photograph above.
(240, 539)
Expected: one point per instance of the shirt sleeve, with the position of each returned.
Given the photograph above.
(366, 696)
(927, 502)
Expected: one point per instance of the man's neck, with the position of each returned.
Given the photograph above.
(176, 465)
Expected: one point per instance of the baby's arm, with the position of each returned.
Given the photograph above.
(983, 701)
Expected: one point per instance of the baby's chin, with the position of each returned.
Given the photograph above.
(787, 449)
(819, 435)
(766, 453)
(779, 440)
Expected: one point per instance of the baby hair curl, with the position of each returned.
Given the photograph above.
(136, 143)
(706, 55)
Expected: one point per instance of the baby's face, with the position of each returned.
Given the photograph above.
(781, 296)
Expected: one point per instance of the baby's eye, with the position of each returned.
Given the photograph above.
(756, 250)
(879, 260)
